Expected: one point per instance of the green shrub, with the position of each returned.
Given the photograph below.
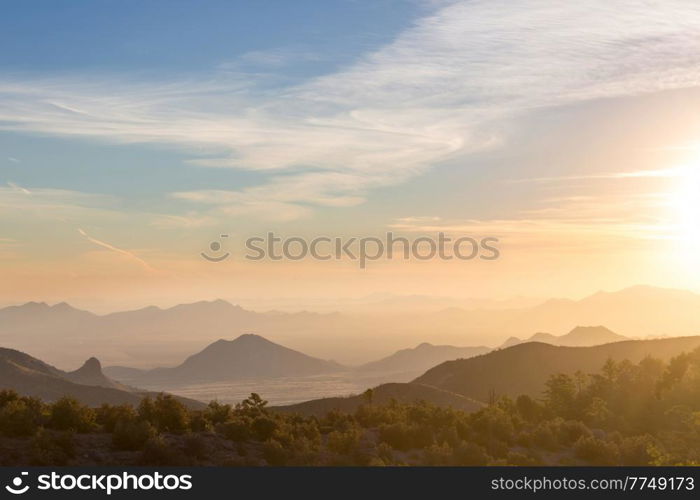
(571, 431)
(274, 453)
(109, 416)
(20, 417)
(52, 448)
(199, 423)
(596, 451)
(438, 454)
(344, 442)
(470, 454)
(165, 413)
(263, 428)
(7, 395)
(493, 423)
(217, 413)
(68, 414)
(404, 436)
(157, 452)
(132, 434)
(637, 450)
(237, 430)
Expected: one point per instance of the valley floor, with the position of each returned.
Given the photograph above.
(284, 391)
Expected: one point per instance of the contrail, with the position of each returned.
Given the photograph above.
(19, 188)
(115, 249)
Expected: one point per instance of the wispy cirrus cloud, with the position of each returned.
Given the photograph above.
(665, 173)
(426, 97)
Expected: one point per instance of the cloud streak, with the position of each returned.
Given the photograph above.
(117, 250)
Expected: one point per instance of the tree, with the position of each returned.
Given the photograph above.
(368, 396)
(560, 395)
(253, 406)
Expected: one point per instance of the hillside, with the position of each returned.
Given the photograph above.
(32, 377)
(382, 395)
(581, 336)
(248, 356)
(420, 358)
(524, 368)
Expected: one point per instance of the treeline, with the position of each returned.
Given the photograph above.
(627, 414)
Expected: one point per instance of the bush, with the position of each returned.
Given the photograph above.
(199, 423)
(7, 395)
(109, 416)
(521, 459)
(165, 413)
(217, 413)
(545, 436)
(492, 423)
(158, 452)
(637, 450)
(438, 455)
(528, 408)
(470, 454)
(196, 446)
(596, 451)
(68, 414)
(132, 434)
(263, 428)
(20, 417)
(571, 431)
(52, 448)
(343, 442)
(274, 453)
(237, 430)
(385, 454)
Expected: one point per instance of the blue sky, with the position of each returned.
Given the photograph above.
(291, 41)
(151, 126)
(177, 36)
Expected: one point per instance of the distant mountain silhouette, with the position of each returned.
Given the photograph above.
(524, 368)
(154, 336)
(32, 377)
(91, 374)
(382, 395)
(420, 358)
(581, 336)
(248, 356)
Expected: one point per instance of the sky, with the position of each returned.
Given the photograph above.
(134, 134)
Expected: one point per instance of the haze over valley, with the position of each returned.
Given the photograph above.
(152, 337)
(182, 350)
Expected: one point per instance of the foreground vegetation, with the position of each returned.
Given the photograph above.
(644, 414)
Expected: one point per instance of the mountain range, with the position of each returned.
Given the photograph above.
(581, 336)
(162, 337)
(524, 368)
(465, 383)
(254, 357)
(408, 363)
